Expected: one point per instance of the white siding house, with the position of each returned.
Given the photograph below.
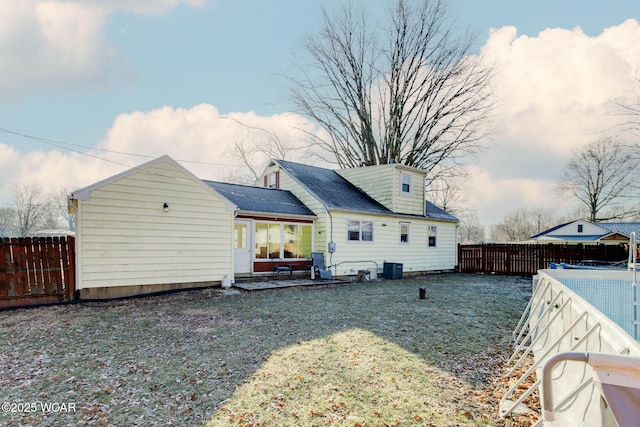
(371, 215)
(152, 228)
(588, 233)
(158, 227)
(397, 187)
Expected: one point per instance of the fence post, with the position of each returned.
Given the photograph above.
(71, 251)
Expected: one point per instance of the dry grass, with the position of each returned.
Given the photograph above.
(350, 355)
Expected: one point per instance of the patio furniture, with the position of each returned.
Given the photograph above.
(277, 270)
(319, 269)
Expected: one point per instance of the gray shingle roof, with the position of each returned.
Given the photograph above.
(334, 191)
(337, 192)
(258, 199)
(434, 212)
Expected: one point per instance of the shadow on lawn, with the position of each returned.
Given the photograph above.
(348, 378)
(372, 353)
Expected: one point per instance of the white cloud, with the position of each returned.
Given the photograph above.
(198, 136)
(146, 6)
(201, 134)
(494, 197)
(9, 157)
(61, 44)
(553, 86)
(555, 94)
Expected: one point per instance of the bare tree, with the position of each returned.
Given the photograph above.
(449, 191)
(31, 207)
(522, 223)
(632, 114)
(255, 153)
(470, 230)
(516, 226)
(7, 221)
(604, 175)
(255, 156)
(542, 219)
(60, 206)
(406, 91)
(629, 110)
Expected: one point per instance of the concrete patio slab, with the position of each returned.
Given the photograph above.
(276, 284)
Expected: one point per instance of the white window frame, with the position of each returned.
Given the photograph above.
(272, 181)
(361, 227)
(408, 234)
(432, 232)
(408, 177)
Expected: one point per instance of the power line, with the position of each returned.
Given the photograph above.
(66, 146)
(60, 145)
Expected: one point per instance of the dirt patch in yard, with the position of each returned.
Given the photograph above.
(369, 354)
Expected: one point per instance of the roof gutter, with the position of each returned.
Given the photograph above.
(276, 215)
(398, 215)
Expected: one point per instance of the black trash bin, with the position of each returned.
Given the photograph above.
(392, 270)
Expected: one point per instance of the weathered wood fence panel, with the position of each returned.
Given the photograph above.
(526, 260)
(36, 270)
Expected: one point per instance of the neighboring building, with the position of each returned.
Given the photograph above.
(588, 233)
(152, 228)
(369, 215)
(158, 227)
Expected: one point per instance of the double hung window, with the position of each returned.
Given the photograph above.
(433, 234)
(405, 185)
(359, 231)
(404, 232)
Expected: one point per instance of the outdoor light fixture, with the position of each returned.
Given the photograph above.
(166, 207)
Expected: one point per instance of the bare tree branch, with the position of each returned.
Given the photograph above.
(520, 224)
(630, 112)
(7, 221)
(31, 207)
(256, 152)
(407, 91)
(604, 175)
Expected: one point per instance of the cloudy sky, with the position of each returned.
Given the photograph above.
(89, 88)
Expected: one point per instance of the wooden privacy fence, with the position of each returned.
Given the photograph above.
(526, 260)
(36, 270)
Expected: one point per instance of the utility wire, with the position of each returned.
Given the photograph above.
(60, 145)
(66, 146)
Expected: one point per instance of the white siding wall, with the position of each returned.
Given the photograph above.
(383, 183)
(412, 202)
(415, 256)
(377, 181)
(444, 255)
(386, 246)
(588, 229)
(125, 238)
